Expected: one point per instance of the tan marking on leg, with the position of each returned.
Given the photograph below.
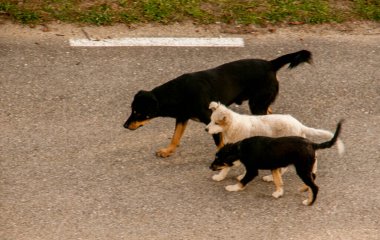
(276, 173)
(315, 166)
(310, 198)
(269, 110)
(178, 132)
(304, 188)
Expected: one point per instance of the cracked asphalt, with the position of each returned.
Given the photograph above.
(69, 170)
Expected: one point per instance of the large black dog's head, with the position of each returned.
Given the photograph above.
(225, 157)
(144, 107)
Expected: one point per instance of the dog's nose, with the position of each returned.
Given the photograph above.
(206, 129)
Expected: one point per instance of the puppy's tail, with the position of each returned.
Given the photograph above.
(294, 59)
(330, 143)
(314, 132)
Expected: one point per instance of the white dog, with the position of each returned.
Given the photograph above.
(236, 127)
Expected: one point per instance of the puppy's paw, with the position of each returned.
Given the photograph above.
(218, 177)
(240, 177)
(234, 188)
(164, 152)
(306, 202)
(268, 178)
(278, 193)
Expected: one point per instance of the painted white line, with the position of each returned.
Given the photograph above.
(159, 42)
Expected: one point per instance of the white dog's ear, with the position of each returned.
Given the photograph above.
(224, 119)
(213, 106)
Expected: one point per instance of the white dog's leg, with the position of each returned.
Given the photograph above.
(221, 175)
(234, 188)
(269, 178)
(240, 177)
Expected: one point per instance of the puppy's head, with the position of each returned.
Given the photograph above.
(220, 118)
(225, 157)
(144, 107)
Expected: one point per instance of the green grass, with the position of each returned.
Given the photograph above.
(259, 12)
(368, 9)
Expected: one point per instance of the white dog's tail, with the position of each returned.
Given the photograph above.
(313, 132)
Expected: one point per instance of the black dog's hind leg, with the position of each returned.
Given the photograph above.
(259, 102)
(259, 108)
(307, 178)
(180, 127)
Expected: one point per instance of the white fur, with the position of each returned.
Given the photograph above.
(221, 175)
(236, 127)
(278, 193)
(234, 188)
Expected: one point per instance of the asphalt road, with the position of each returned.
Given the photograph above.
(69, 170)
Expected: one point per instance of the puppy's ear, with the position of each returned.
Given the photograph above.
(224, 119)
(141, 93)
(213, 106)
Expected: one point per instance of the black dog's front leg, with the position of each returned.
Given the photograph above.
(249, 175)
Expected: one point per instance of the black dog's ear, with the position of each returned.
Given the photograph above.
(147, 96)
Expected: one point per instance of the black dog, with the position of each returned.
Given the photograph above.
(273, 153)
(188, 96)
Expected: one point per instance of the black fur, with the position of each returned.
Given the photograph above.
(188, 96)
(271, 153)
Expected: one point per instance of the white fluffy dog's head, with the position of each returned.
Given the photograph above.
(220, 118)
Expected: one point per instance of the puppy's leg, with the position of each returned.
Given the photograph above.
(178, 132)
(307, 178)
(221, 175)
(233, 188)
(313, 191)
(269, 178)
(251, 174)
(278, 183)
(241, 176)
(304, 188)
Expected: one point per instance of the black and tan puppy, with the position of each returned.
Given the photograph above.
(271, 154)
(188, 96)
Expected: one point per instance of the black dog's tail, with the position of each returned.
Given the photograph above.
(294, 59)
(330, 143)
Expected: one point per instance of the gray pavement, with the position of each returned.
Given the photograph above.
(69, 170)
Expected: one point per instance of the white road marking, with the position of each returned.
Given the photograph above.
(159, 42)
